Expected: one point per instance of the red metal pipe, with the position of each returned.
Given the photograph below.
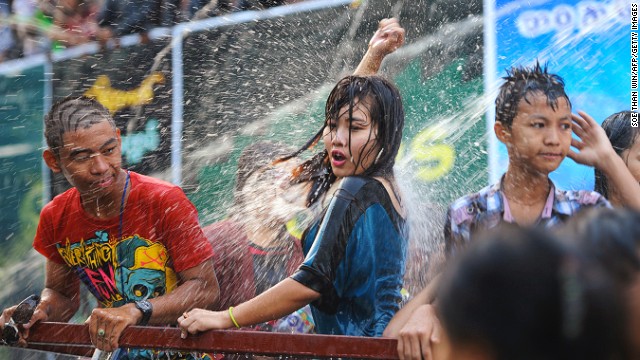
(76, 337)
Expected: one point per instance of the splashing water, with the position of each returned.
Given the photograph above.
(268, 79)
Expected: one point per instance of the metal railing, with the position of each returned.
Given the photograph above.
(74, 339)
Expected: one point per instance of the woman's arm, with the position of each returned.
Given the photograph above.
(282, 299)
(388, 38)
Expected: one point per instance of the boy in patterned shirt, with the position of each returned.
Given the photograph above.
(534, 121)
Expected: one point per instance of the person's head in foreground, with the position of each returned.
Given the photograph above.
(611, 237)
(519, 294)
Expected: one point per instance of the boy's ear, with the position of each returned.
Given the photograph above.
(503, 133)
(119, 138)
(51, 160)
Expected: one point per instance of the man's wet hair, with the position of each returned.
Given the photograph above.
(522, 81)
(73, 114)
(622, 137)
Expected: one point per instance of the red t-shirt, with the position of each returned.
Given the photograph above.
(235, 262)
(160, 237)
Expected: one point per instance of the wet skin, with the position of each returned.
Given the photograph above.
(91, 160)
(539, 137)
(631, 157)
(351, 156)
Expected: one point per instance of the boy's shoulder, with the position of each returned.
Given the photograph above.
(150, 186)
(151, 182)
(569, 201)
(487, 201)
(62, 201)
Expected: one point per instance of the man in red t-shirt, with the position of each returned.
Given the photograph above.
(134, 241)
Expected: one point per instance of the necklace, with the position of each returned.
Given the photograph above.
(124, 192)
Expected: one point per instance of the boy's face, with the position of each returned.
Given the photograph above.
(90, 159)
(539, 137)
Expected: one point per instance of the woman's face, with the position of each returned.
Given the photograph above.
(631, 157)
(355, 156)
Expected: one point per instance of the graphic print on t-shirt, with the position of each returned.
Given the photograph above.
(120, 272)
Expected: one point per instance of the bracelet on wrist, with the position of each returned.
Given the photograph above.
(233, 319)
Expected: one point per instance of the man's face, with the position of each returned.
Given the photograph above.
(539, 137)
(90, 159)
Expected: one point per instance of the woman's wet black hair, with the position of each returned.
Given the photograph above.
(519, 294)
(622, 137)
(384, 103)
(522, 81)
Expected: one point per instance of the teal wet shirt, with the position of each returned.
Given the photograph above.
(355, 258)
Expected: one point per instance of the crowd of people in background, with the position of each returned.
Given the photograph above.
(29, 27)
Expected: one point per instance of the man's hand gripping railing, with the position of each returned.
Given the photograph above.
(22, 315)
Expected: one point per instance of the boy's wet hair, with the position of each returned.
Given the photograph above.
(522, 81)
(72, 114)
(384, 103)
(622, 137)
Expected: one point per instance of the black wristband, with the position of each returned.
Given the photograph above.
(146, 308)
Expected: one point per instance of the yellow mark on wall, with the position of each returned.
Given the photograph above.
(434, 157)
(115, 100)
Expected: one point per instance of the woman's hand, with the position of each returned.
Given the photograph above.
(198, 320)
(388, 38)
